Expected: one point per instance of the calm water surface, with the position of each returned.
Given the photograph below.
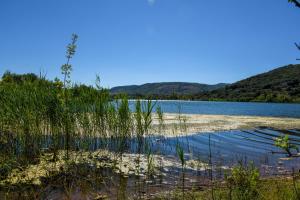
(228, 108)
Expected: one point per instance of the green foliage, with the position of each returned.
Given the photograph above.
(67, 68)
(66, 71)
(267, 189)
(160, 116)
(150, 160)
(279, 85)
(139, 124)
(147, 114)
(243, 182)
(9, 77)
(180, 154)
(283, 142)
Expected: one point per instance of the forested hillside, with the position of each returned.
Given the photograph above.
(279, 85)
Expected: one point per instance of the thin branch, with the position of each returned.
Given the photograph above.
(296, 2)
(297, 45)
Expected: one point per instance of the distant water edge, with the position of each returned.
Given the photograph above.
(226, 108)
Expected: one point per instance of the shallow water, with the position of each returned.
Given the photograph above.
(230, 147)
(228, 108)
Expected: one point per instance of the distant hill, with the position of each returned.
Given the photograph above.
(278, 85)
(165, 88)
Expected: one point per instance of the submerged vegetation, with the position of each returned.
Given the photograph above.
(59, 140)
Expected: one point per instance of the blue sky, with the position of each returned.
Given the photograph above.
(139, 41)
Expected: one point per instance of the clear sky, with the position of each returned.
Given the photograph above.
(139, 41)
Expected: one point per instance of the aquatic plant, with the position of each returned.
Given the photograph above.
(147, 114)
(180, 154)
(160, 116)
(284, 143)
(210, 166)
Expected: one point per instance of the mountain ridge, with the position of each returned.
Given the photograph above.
(166, 88)
(281, 84)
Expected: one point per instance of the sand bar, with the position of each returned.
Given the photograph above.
(176, 124)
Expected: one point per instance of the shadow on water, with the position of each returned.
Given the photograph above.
(227, 148)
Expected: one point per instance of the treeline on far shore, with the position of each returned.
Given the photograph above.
(205, 96)
(271, 93)
(280, 85)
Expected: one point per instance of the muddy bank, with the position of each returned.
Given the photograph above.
(126, 164)
(175, 124)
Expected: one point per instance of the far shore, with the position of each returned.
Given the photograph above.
(215, 100)
(187, 124)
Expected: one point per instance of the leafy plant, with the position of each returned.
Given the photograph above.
(283, 142)
(150, 161)
(243, 182)
(67, 68)
(160, 116)
(66, 71)
(180, 154)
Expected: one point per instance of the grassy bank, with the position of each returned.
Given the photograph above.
(267, 189)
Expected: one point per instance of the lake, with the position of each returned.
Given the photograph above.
(227, 148)
(230, 147)
(228, 108)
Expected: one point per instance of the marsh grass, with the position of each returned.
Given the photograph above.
(38, 116)
(180, 154)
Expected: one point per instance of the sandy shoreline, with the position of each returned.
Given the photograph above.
(195, 123)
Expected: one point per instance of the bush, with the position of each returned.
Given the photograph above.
(243, 182)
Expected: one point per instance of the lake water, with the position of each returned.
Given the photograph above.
(228, 108)
(230, 147)
(227, 148)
